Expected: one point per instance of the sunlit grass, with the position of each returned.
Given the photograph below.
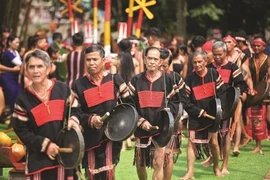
(246, 166)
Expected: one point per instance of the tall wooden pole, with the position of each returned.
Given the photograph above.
(139, 23)
(95, 21)
(107, 27)
(130, 16)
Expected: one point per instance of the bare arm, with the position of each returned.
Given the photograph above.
(8, 69)
(185, 69)
(114, 65)
(247, 78)
(136, 66)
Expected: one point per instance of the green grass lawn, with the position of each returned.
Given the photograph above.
(247, 166)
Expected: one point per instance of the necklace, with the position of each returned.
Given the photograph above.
(41, 97)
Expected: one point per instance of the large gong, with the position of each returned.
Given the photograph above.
(262, 89)
(214, 112)
(165, 123)
(71, 144)
(122, 122)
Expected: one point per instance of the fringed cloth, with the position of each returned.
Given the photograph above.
(200, 140)
(172, 147)
(257, 125)
(223, 131)
(100, 165)
(57, 173)
(144, 150)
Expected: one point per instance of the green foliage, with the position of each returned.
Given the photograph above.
(208, 9)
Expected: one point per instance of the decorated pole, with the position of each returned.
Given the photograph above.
(88, 35)
(70, 7)
(139, 23)
(74, 27)
(70, 13)
(130, 16)
(122, 31)
(142, 6)
(95, 21)
(107, 27)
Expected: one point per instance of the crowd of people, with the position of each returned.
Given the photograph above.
(38, 83)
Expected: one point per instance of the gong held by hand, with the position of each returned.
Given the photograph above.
(154, 128)
(65, 150)
(209, 116)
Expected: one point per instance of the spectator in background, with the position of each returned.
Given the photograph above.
(5, 32)
(178, 60)
(2, 97)
(10, 80)
(75, 64)
(53, 52)
(195, 45)
(207, 48)
(243, 44)
(60, 64)
(177, 40)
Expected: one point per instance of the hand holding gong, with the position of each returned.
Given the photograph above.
(73, 123)
(147, 126)
(98, 121)
(52, 150)
(208, 116)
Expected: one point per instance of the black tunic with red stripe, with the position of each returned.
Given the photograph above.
(200, 90)
(231, 75)
(149, 98)
(33, 121)
(99, 100)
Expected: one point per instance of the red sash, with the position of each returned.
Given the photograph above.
(150, 98)
(225, 74)
(204, 91)
(99, 94)
(52, 111)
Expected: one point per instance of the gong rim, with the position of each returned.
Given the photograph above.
(232, 94)
(216, 111)
(72, 138)
(162, 139)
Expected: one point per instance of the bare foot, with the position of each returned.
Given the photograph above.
(256, 150)
(245, 141)
(208, 162)
(187, 176)
(218, 173)
(236, 153)
(225, 172)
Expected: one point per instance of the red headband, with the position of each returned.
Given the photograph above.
(259, 41)
(229, 38)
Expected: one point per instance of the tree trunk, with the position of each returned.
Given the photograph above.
(24, 28)
(2, 12)
(16, 14)
(181, 22)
